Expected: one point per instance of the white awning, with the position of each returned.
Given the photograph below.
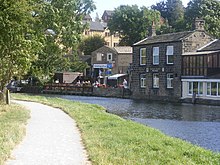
(116, 76)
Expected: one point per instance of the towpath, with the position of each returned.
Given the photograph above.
(52, 138)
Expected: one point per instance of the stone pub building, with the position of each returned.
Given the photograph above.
(157, 62)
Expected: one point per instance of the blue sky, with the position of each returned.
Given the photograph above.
(102, 5)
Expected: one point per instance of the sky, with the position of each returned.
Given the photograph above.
(102, 5)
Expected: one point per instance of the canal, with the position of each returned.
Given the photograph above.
(198, 124)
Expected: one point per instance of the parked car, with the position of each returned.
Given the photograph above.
(14, 86)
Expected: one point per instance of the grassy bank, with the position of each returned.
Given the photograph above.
(110, 139)
(12, 128)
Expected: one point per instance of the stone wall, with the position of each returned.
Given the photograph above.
(111, 92)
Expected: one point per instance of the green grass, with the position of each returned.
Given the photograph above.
(12, 128)
(110, 139)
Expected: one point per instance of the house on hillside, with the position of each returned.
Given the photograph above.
(107, 15)
(157, 62)
(101, 29)
(201, 72)
(107, 61)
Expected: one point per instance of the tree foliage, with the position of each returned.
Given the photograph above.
(173, 12)
(209, 10)
(132, 23)
(91, 43)
(37, 34)
(16, 51)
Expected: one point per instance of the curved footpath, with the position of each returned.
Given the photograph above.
(52, 138)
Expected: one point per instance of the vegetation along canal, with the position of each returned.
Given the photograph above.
(198, 124)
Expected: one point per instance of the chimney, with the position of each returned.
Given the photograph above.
(199, 24)
(153, 29)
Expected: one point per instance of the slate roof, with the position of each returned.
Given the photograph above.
(87, 17)
(200, 53)
(171, 37)
(109, 12)
(212, 46)
(95, 26)
(123, 49)
(118, 49)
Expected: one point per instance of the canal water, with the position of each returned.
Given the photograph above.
(198, 124)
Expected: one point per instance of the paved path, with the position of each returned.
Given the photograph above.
(52, 138)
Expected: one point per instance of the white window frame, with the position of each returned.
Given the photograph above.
(109, 55)
(191, 88)
(99, 57)
(143, 80)
(169, 80)
(156, 80)
(143, 54)
(209, 85)
(156, 53)
(169, 52)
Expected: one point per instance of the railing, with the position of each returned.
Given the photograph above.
(83, 89)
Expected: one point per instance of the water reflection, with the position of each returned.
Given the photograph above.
(198, 124)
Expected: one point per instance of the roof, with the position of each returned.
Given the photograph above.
(214, 45)
(116, 76)
(105, 47)
(123, 49)
(96, 26)
(109, 12)
(87, 17)
(199, 53)
(171, 37)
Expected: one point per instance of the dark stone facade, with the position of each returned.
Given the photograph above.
(181, 42)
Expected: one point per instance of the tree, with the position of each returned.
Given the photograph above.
(16, 52)
(91, 43)
(132, 23)
(173, 11)
(37, 34)
(60, 25)
(209, 10)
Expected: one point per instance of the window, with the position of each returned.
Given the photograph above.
(213, 89)
(169, 54)
(143, 56)
(170, 80)
(155, 80)
(143, 80)
(99, 57)
(195, 87)
(155, 55)
(109, 56)
(115, 44)
(86, 32)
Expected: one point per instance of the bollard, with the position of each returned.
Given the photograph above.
(7, 97)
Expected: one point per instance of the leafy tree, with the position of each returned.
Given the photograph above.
(173, 12)
(59, 22)
(91, 43)
(132, 22)
(16, 51)
(37, 34)
(209, 10)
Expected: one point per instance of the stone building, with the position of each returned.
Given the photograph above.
(107, 61)
(157, 62)
(107, 15)
(100, 28)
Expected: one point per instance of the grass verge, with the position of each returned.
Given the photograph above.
(110, 139)
(12, 128)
